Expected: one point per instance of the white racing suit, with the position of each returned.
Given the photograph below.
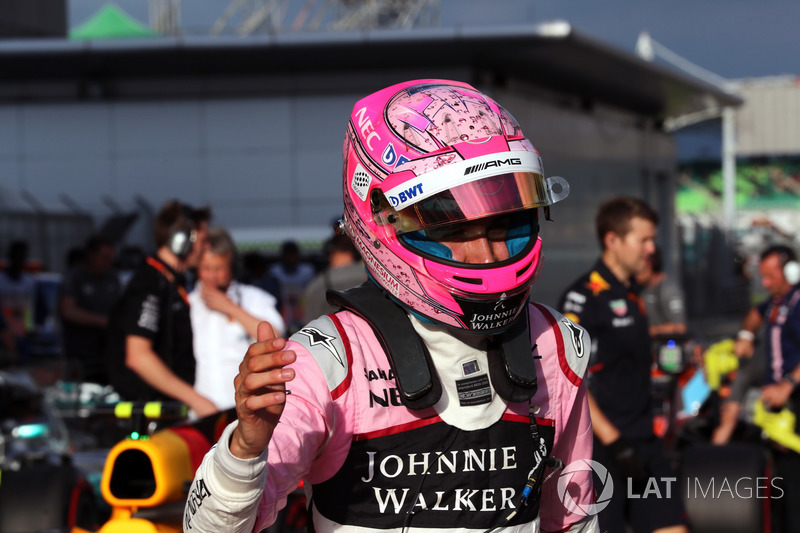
(369, 463)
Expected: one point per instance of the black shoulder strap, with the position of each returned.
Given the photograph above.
(511, 365)
(414, 373)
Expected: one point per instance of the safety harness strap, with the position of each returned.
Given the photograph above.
(511, 365)
(414, 373)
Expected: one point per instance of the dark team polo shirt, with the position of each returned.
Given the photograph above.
(619, 369)
(781, 334)
(154, 306)
(96, 294)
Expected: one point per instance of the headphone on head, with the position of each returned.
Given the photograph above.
(791, 268)
(183, 234)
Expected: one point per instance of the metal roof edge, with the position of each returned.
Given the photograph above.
(724, 94)
(554, 29)
(557, 30)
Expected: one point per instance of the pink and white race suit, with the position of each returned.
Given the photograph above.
(369, 463)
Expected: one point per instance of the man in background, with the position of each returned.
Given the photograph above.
(778, 373)
(17, 294)
(345, 270)
(606, 302)
(292, 275)
(663, 298)
(149, 349)
(225, 315)
(87, 295)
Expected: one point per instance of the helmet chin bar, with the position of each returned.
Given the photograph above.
(512, 367)
(491, 316)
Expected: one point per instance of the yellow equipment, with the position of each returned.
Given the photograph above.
(778, 427)
(719, 361)
(146, 479)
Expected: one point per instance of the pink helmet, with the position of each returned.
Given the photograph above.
(425, 154)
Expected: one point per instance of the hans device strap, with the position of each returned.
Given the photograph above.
(415, 376)
(511, 365)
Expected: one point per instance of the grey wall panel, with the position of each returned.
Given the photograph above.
(85, 180)
(264, 214)
(249, 178)
(160, 177)
(319, 175)
(247, 125)
(10, 141)
(320, 212)
(170, 127)
(59, 130)
(321, 121)
(9, 182)
(570, 132)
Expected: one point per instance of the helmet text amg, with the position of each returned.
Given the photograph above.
(511, 161)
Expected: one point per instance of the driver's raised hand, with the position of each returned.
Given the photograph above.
(260, 392)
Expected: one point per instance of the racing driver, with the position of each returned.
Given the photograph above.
(438, 398)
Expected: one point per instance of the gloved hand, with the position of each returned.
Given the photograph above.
(626, 459)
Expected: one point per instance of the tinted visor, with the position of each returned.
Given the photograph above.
(494, 195)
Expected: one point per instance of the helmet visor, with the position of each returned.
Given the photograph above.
(493, 195)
